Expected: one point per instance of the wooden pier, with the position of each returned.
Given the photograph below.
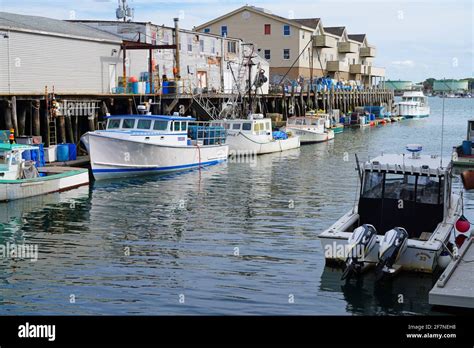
(30, 114)
(455, 287)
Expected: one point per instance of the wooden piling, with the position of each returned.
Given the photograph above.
(35, 104)
(22, 109)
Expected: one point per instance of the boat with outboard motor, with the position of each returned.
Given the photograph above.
(403, 218)
(133, 145)
(254, 136)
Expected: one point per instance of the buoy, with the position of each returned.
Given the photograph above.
(468, 179)
(462, 225)
(460, 239)
(11, 137)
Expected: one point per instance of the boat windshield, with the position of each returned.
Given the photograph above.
(406, 187)
(113, 124)
(4, 158)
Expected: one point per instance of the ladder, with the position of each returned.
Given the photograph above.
(52, 131)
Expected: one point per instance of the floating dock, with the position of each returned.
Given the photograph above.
(455, 287)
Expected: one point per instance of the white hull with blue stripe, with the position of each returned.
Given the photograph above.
(122, 152)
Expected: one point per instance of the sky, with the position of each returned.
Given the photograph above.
(415, 39)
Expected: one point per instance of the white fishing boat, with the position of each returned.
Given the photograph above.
(310, 129)
(20, 178)
(133, 145)
(403, 218)
(254, 136)
(414, 104)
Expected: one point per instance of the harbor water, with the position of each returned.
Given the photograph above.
(237, 238)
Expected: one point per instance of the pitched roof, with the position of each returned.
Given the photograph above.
(54, 27)
(308, 22)
(357, 37)
(335, 30)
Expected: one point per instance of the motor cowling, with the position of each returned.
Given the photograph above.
(391, 248)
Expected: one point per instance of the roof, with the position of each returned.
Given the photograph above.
(406, 163)
(335, 30)
(356, 37)
(156, 117)
(51, 26)
(305, 23)
(9, 147)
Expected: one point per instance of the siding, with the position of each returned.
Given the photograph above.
(70, 65)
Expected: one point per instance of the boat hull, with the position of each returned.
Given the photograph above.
(242, 144)
(24, 188)
(115, 157)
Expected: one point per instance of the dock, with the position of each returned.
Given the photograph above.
(455, 287)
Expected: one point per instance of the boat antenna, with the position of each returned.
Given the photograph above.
(442, 123)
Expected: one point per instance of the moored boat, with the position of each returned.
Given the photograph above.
(134, 145)
(254, 136)
(463, 155)
(310, 129)
(414, 104)
(20, 178)
(408, 201)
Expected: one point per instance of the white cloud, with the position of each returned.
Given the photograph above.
(404, 63)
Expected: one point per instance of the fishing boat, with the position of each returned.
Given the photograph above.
(310, 129)
(134, 145)
(414, 104)
(254, 136)
(463, 155)
(20, 178)
(403, 218)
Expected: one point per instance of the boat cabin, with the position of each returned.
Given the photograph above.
(416, 97)
(306, 122)
(470, 130)
(260, 126)
(409, 191)
(12, 165)
(148, 123)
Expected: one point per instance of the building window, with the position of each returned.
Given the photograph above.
(201, 46)
(231, 47)
(267, 29)
(213, 47)
(190, 44)
(286, 53)
(267, 54)
(286, 30)
(207, 30)
(224, 30)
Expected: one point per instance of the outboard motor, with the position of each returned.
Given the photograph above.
(360, 244)
(392, 246)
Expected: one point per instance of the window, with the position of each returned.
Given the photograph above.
(144, 124)
(128, 123)
(236, 126)
(267, 54)
(267, 29)
(267, 126)
(429, 190)
(286, 30)
(160, 125)
(286, 53)
(201, 46)
(184, 126)
(113, 124)
(231, 47)
(246, 126)
(207, 30)
(399, 186)
(224, 30)
(176, 126)
(190, 44)
(4, 158)
(373, 185)
(213, 46)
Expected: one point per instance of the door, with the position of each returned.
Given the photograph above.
(202, 79)
(112, 77)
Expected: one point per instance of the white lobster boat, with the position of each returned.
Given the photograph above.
(403, 219)
(414, 104)
(254, 136)
(133, 145)
(310, 129)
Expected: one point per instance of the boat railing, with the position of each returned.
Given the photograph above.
(402, 169)
(206, 133)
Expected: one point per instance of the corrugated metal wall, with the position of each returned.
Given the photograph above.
(70, 65)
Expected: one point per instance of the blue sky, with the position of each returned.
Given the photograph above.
(415, 39)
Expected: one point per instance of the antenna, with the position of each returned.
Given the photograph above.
(124, 12)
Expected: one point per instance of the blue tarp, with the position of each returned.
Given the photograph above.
(279, 135)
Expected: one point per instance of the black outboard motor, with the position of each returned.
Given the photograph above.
(392, 246)
(360, 244)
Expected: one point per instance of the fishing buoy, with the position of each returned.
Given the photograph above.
(444, 259)
(468, 179)
(462, 225)
(460, 239)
